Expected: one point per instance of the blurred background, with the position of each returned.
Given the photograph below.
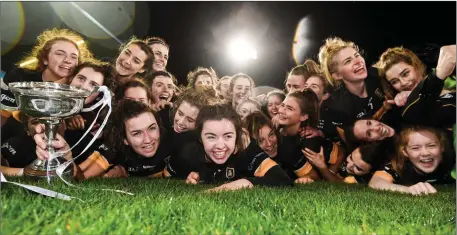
(262, 39)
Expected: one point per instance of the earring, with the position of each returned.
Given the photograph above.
(45, 63)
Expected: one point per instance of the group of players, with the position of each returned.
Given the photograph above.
(390, 126)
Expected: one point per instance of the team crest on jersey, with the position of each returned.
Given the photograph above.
(230, 173)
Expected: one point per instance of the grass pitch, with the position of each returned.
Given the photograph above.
(172, 207)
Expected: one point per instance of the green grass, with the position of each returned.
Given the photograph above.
(171, 207)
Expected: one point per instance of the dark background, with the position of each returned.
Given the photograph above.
(198, 32)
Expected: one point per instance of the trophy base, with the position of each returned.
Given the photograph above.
(38, 170)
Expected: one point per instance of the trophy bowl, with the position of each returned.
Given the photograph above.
(50, 102)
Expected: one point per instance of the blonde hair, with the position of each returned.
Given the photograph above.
(326, 53)
(238, 76)
(393, 56)
(193, 75)
(34, 60)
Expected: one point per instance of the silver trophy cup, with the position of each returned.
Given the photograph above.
(51, 103)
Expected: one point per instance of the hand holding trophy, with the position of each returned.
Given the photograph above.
(50, 103)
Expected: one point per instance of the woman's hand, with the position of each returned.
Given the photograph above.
(446, 62)
(193, 178)
(75, 123)
(234, 185)
(59, 144)
(161, 104)
(304, 180)
(309, 132)
(400, 99)
(421, 188)
(316, 159)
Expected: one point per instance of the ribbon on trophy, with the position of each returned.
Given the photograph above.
(42, 191)
(105, 101)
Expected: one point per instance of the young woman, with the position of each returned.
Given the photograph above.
(262, 130)
(297, 77)
(202, 77)
(423, 158)
(161, 50)
(220, 155)
(366, 131)
(163, 85)
(272, 103)
(135, 58)
(89, 75)
(357, 90)
(300, 110)
(358, 167)
(183, 116)
(223, 86)
(53, 59)
(136, 139)
(420, 96)
(134, 89)
(241, 87)
(247, 107)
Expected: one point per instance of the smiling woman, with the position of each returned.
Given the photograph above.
(52, 59)
(135, 57)
(424, 158)
(420, 96)
(221, 154)
(357, 90)
(136, 138)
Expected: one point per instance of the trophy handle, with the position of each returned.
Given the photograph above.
(35, 105)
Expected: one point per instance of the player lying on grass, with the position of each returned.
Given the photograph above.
(358, 167)
(287, 151)
(223, 154)
(423, 158)
(183, 115)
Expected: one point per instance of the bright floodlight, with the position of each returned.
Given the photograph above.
(241, 51)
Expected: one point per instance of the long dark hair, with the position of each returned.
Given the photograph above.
(255, 121)
(145, 48)
(120, 91)
(126, 110)
(218, 112)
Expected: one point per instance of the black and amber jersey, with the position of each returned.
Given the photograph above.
(137, 165)
(411, 175)
(291, 158)
(252, 164)
(175, 141)
(19, 150)
(426, 105)
(99, 146)
(342, 108)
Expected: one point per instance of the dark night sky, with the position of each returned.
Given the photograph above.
(195, 31)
